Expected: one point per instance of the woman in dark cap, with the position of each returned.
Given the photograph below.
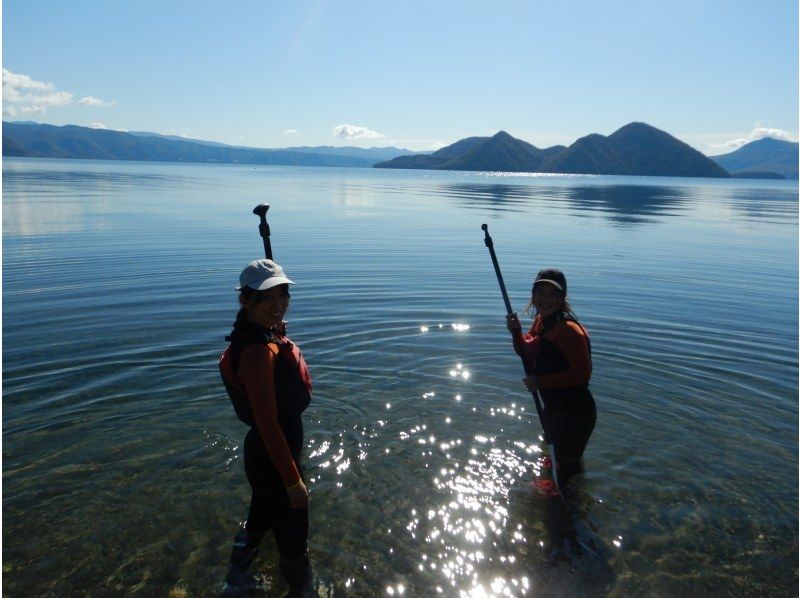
(558, 351)
(269, 385)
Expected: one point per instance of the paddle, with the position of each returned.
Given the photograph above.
(263, 228)
(537, 398)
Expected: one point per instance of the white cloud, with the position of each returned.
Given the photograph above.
(355, 132)
(13, 82)
(293, 132)
(756, 133)
(98, 126)
(91, 101)
(183, 134)
(24, 96)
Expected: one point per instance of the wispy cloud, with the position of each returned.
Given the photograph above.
(756, 133)
(91, 101)
(293, 132)
(24, 96)
(355, 132)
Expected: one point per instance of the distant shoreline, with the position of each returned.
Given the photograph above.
(475, 173)
(636, 149)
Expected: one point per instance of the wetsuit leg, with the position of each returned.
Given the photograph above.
(261, 514)
(571, 430)
(587, 421)
(270, 508)
(245, 544)
(243, 553)
(291, 536)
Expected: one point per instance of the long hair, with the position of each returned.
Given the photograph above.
(245, 293)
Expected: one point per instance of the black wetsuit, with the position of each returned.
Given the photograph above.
(570, 413)
(569, 408)
(269, 503)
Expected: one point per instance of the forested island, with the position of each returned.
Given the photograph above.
(635, 149)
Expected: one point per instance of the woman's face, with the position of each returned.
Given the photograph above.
(267, 308)
(547, 299)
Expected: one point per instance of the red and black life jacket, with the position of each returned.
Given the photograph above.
(292, 378)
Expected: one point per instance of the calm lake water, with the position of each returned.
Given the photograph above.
(122, 469)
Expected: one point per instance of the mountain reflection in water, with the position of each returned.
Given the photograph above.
(622, 204)
(627, 204)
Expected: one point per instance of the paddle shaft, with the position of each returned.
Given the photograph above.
(537, 398)
(263, 228)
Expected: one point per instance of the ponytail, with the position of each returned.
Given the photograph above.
(241, 316)
(245, 293)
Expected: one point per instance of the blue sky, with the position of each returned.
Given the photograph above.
(412, 74)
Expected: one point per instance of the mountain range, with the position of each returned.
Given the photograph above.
(635, 149)
(36, 140)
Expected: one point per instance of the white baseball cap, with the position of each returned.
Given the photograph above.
(262, 275)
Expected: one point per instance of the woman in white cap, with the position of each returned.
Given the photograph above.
(269, 385)
(558, 352)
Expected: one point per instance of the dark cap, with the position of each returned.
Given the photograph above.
(554, 277)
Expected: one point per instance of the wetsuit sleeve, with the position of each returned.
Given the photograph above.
(526, 347)
(257, 374)
(571, 339)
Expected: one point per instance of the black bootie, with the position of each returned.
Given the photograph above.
(299, 576)
(245, 549)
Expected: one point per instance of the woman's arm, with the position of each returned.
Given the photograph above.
(257, 374)
(524, 344)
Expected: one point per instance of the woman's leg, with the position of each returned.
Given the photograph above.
(246, 541)
(270, 508)
(587, 419)
(291, 536)
(571, 431)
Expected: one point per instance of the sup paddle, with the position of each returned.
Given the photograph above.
(537, 397)
(263, 228)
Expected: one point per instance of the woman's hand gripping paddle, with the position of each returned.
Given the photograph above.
(537, 398)
(263, 228)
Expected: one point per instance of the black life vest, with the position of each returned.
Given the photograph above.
(552, 360)
(292, 378)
